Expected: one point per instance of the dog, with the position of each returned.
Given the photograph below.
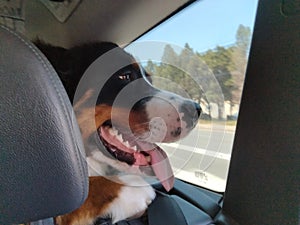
(119, 134)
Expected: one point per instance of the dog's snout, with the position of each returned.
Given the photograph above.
(191, 111)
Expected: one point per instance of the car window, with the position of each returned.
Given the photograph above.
(202, 53)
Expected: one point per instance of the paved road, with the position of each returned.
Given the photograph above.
(203, 156)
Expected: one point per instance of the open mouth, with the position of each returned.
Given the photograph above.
(126, 147)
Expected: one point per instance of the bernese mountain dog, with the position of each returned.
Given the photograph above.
(121, 117)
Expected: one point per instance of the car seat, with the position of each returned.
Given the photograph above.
(43, 171)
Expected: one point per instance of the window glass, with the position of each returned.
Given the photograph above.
(201, 53)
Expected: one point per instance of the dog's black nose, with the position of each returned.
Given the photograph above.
(191, 111)
(198, 108)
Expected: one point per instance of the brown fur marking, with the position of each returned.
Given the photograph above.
(91, 118)
(101, 193)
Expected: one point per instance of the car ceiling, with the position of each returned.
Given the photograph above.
(118, 21)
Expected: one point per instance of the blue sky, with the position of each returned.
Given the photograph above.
(206, 24)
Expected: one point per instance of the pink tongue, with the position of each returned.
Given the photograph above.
(160, 164)
(159, 160)
(162, 167)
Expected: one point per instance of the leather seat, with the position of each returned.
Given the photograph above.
(43, 172)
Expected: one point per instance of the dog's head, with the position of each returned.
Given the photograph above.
(131, 116)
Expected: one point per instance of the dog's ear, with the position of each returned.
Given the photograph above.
(62, 63)
(54, 54)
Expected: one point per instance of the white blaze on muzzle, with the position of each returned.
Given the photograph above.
(167, 122)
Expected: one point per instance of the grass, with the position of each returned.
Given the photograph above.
(227, 122)
(231, 123)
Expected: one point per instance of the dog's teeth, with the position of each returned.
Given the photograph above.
(134, 148)
(119, 137)
(126, 143)
(113, 131)
(116, 130)
(148, 158)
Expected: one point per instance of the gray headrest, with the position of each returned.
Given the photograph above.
(43, 170)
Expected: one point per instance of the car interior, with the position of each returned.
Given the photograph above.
(38, 183)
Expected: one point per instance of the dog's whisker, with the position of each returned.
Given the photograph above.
(147, 123)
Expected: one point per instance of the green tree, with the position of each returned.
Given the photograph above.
(165, 71)
(239, 60)
(187, 69)
(150, 67)
(169, 55)
(219, 61)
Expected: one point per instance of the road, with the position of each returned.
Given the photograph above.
(203, 157)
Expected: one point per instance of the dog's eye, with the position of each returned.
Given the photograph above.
(125, 76)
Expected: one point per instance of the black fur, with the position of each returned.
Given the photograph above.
(70, 64)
